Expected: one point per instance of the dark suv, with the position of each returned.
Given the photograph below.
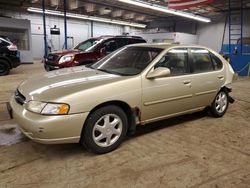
(9, 55)
(88, 52)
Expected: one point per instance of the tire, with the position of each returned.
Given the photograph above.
(4, 68)
(99, 135)
(47, 68)
(220, 104)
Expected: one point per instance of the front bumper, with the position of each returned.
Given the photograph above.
(48, 129)
(50, 67)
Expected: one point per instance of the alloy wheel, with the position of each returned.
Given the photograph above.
(107, 130)
(221, 102)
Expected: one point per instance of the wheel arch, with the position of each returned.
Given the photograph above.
(131, 113)
(227, 89)
(7, 60)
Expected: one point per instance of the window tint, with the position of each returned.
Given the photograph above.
(216, 62)
(176, 60)
(85, 45)
(137, 41)
(88, 45)
(110, 46)
(121, 42)
(201, 60)
(3, 43)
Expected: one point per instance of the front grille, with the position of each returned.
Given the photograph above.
(52, 57)
(20, 99)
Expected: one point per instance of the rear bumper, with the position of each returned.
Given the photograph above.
(48, 129)
(15, 62)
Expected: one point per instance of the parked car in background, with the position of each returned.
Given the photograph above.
(135, 85)
(88, 52)
(9, 55)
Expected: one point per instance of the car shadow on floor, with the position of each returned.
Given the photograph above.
(175, 121)
(59, 150)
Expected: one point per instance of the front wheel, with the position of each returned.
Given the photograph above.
(47, 68)
(105, 129)
(220, 104)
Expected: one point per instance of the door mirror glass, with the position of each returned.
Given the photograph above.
(159, 72)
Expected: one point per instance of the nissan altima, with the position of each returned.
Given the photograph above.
(98, 105)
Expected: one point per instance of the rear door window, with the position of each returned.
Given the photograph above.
(201, 61)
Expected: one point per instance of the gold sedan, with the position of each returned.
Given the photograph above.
(137, 84)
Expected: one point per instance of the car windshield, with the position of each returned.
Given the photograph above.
(127, 61)
(88, 45)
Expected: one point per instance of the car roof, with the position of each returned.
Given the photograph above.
(118, 36)
(167, 45)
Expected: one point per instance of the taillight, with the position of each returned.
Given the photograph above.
(12, 47)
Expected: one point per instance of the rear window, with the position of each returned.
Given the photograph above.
(216, 62)
(133, 41)
(3, 43)
(201, 60)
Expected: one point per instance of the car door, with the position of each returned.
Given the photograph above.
(207, 76)
(167, 96)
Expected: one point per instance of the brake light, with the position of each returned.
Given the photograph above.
(12, 47)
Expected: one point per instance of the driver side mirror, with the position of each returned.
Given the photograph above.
(159, 72)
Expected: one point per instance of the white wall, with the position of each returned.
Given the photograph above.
(80, 30)
(182, 38)
(211, 34)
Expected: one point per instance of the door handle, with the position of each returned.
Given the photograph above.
(221, 77)
(187, 82)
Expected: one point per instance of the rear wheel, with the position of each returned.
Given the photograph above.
(4, 68)
(220, 104)
(105, 129)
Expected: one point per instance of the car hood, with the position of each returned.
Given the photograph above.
(54, 85)
(64, 52)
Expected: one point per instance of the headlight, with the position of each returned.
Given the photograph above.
(66, 58)
(47, 108)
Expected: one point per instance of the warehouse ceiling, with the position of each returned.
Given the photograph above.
(119, 10)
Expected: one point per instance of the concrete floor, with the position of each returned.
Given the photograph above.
(189, 151)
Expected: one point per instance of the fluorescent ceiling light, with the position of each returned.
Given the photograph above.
(85, 17)
(166, 10)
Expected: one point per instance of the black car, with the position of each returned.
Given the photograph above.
(9, 55)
